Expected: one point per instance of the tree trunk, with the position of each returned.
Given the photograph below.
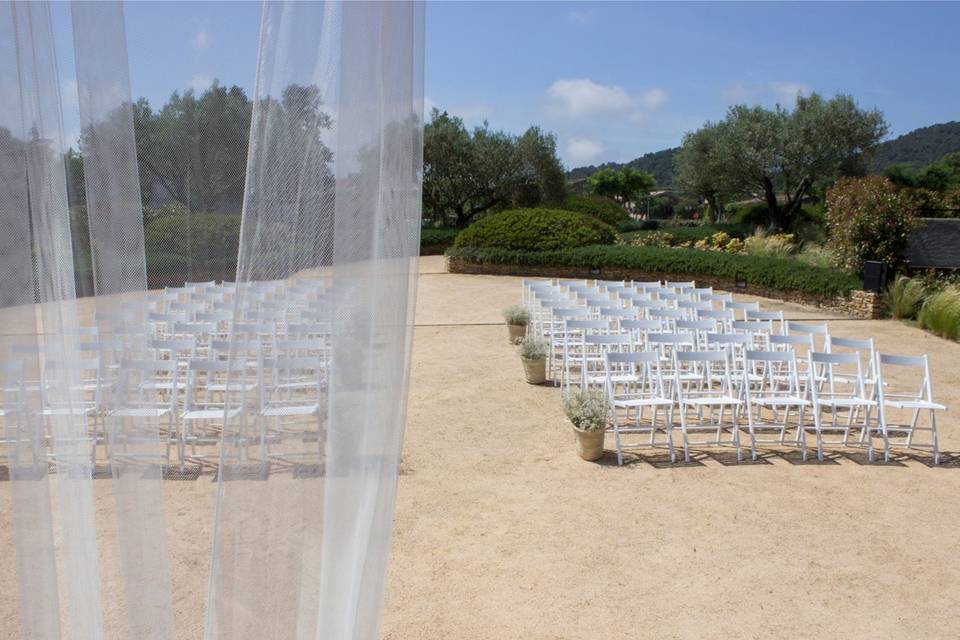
(776, 215)
(795, 200)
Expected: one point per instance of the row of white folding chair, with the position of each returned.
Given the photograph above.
(775, 387)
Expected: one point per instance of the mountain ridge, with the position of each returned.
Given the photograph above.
(918, 147)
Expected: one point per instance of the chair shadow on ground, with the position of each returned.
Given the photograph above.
(700, 458)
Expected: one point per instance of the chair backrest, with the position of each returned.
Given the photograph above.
(887, 388)
(742, 307)
(712, 366)
(862, 346)
(773, 316)
(643, 367)
(815, 330)
(829, 371)
(773, 369)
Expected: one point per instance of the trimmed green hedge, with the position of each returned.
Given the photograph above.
(602, 209)
(772, 273)
(436, 240)
(536, 230)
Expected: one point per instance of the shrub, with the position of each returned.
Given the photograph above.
(602, 209)
(437, 238)
(779, 245)
(587, 410)
(516, 315)
(904, 296)
(532, 348)
(816, 255)
(206, 236)
(784, 274)
(753, 214)
(941, 313)
(652, 239)
(868, 219)
(535, 230)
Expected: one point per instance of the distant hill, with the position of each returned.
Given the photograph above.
(658, 163)
(919, 147)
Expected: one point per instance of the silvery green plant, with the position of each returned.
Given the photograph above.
(516, 315)
(587, 410)
(532, 348)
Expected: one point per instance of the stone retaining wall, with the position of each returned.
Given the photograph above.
(859, 304)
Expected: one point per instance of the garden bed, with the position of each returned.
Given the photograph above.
(778, 278)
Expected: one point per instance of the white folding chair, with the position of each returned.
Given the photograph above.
(827, 394)
(772, 316)
(743, 307)
(703, 406)
(774, 387)
(634, 383)
(146, 394)
(916, 400)
(593, 357)
(574, 346)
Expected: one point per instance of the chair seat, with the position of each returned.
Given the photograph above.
(141, 412)
(68, 411)
(232, 386)
(292, 410)
(208, 414)
(780, 401)
(711, 400)
(642, 402)
(914, 404)
(845, 402)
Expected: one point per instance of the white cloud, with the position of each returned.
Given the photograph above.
(583, 96)
(579, 97)
(579, 17)
(200, 40)
(581, 151)
(199, 82)
(653, 99)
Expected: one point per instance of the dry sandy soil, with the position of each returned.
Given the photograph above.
(502, 532)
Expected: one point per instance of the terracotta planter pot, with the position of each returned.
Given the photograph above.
(535, 370)
(517, 331)
(590, 444)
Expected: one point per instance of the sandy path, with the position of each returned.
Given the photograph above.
(502, 532)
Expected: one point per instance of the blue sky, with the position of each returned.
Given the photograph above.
(611, 80)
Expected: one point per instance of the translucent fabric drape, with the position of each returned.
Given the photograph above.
(326, 274)
(284, 389)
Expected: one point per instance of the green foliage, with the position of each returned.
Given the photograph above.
(679, 235)
(940, 313)
(195, 147)
(778, 245)
(755, 214)
(437, 238)
(587, 410)
(816, 255)
(917, 148)
(780, 153)
(625, 185)
(516, 315)
(659, 164)
(904, 296)
(601, 208)
(868, 219)
(535, 230)
(771, 273)
(198, 243)
(466, 174)
(532, 348)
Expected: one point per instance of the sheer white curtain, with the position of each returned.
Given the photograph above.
(293, 388)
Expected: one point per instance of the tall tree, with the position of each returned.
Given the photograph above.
(195, 148)
(778, 155)
(468, 174)
(623, 185)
